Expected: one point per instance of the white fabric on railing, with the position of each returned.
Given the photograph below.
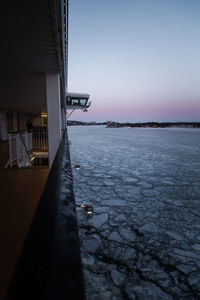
(18, 147)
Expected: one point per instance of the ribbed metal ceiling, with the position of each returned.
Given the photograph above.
(31, 45)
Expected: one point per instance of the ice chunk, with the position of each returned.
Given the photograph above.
(149, 227)
(196, 247)
(88, 260)
(91, 244)
(186, 268)
(186, 253)
(98, 220)
(117, 277)
(120, 218)
(109, 183)
(194, 280)
(145, 184)
(127, 235)
(128, 253)
(114, 236)
(101, 209)
(175, 235)
(114, 202)
(130, 180)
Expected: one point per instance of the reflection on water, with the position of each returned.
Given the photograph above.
(142, 239)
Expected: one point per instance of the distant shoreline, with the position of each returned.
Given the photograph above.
(110, 124)
(154, 124)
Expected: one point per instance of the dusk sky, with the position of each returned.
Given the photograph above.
(138, 59)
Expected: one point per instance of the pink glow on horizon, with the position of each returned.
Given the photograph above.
(152, 111)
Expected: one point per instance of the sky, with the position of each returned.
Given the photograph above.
(138, 59)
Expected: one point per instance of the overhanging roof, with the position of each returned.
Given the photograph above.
(31, 45)
(78, 95)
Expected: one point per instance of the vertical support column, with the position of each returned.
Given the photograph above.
(53, 114)
(63, 118)
(10, 149)
(3, 126)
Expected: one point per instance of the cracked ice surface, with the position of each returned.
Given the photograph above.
(143, 239)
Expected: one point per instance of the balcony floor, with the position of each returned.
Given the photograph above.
(20, 193)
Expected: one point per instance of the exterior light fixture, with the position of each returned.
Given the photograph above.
(87, 208)
(77, 167)
(44, 115)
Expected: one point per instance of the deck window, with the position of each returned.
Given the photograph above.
(75, 101)
(83, 102)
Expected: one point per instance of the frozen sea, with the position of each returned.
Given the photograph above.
(142, 239)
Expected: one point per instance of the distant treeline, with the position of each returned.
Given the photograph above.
(76, 123)
(111, 124)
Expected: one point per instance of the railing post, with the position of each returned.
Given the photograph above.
(17, 148)
(31, 139)
(26, 139)
(43, 139)
(23, 150)
(10, 148)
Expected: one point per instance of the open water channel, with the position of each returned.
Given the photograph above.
(141, 238)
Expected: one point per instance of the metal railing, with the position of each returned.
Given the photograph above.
(19, 145)
(65, 18)
(40, 139)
